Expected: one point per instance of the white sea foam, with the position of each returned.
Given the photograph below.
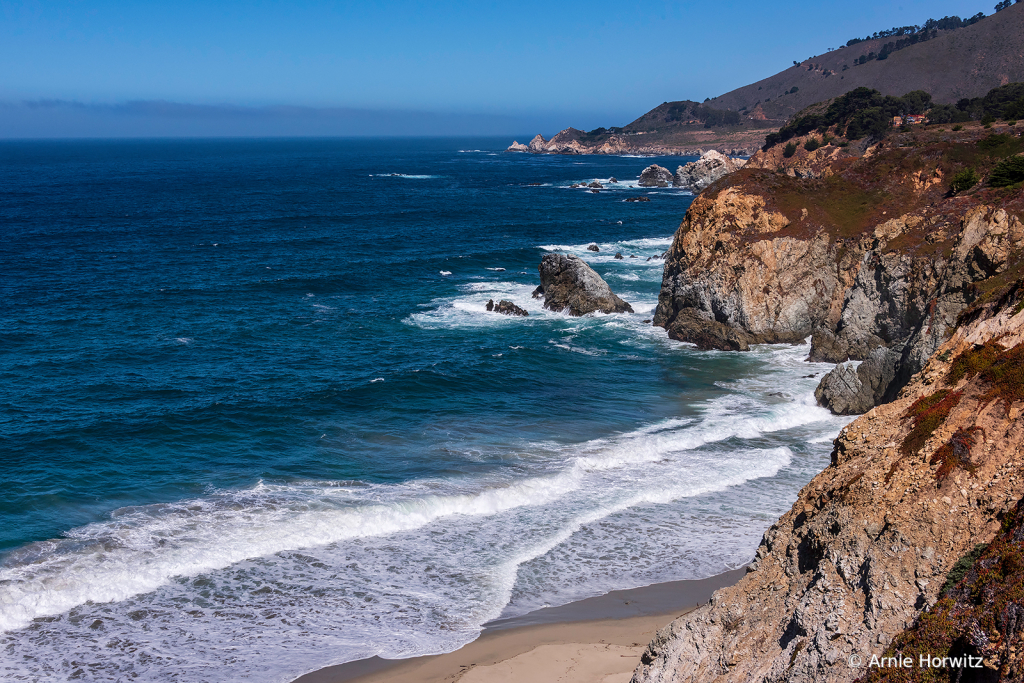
(308, 574)
(404, 175)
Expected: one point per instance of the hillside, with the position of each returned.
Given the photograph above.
(967, 62)
(951, 64)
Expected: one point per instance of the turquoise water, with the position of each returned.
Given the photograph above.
(255, 418)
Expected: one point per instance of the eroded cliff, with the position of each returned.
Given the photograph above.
(865, 251)
(914, 486)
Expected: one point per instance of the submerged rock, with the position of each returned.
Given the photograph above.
(619, 256)
(569, 283)
(711, 166)
(655, 176)
(637, 199)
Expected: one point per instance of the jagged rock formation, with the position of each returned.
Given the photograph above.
(655, 176)
(913, 486)
(568, 283)
(873, 253)
(517, 147)
(711, 166)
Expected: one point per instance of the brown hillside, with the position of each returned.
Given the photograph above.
(966, 62)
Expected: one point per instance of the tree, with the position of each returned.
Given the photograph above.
(1007, 172)
(789, 150)
(964, 180)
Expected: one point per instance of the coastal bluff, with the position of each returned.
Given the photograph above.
(863, 249)
(871, 250)
(872, 541)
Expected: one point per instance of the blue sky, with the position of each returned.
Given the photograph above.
(179, 68)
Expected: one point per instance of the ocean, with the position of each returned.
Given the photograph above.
(255, 418)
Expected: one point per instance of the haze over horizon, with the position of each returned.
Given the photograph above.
(398, 68)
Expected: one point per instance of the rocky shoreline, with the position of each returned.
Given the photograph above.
(573, 141)
(865, 250)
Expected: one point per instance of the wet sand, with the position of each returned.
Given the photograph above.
(594, 640)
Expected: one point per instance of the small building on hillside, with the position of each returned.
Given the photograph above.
(914, 119)
(897, 121)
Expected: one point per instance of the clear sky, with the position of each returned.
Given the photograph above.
(266, 67)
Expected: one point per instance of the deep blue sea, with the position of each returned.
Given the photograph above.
(255, 418)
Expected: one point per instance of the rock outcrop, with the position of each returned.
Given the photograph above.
(655, 176)
(711, 166)
(517, 147)
(567, 283)
(871, 260)
(506, 307)
(913, 486)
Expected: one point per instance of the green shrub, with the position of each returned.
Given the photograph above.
(964, 180)
(789, 150)
(1007, 172)
(812, 144)
(958, 127)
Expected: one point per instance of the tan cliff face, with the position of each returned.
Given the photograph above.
(870, 256)
(913, 486)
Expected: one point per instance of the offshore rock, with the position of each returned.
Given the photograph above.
(570, 284)
(593, 247)
(655, 176)
(517, 147)
(506, 307)
(711, 166)
(637, 199)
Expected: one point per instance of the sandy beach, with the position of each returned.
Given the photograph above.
(596, 640)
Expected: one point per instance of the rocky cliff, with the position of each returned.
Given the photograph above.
(913, 487)
(863, 249)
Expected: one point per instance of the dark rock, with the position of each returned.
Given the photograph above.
(569, 283)
(539, 292)
(506, 307)
(637, 199)
(592, 247)
(490, 304)
(596, 191)
(655, 176)
(849, 391)
(596, 185)
(618, 256)
(647, 322)
(612, 180)
(632, 256)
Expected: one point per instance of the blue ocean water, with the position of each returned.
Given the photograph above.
(255, 418)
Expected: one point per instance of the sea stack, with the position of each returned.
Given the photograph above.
(567, 282)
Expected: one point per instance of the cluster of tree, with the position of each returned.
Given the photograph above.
(859, 113)
(930, 26)
(603, 130)
(894, 31)
(1005, 102)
